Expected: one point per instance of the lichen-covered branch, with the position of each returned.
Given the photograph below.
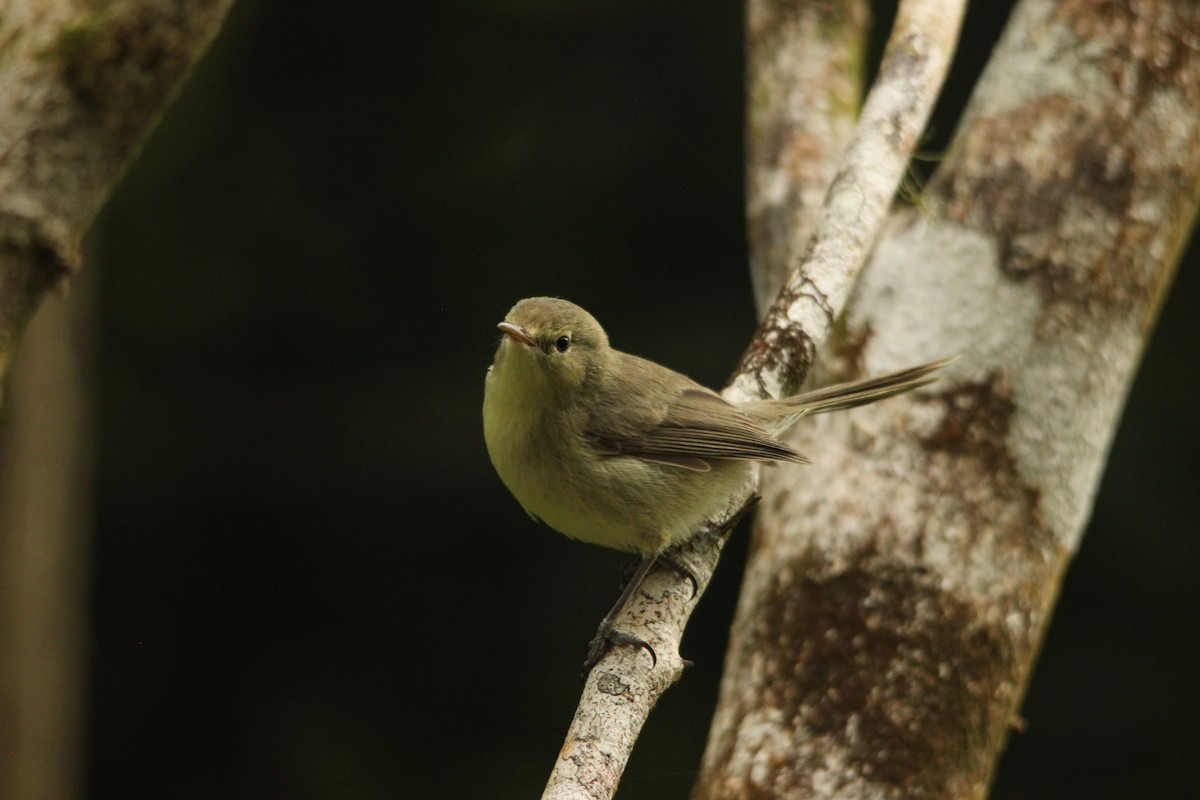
(622, 688)
(852, 215)
(81, 85)
(900, 586)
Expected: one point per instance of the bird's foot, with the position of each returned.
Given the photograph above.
(607, 636)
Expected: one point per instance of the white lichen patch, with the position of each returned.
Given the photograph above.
(1047, 60)
(938, 268)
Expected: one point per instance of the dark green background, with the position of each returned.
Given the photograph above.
(308, 582)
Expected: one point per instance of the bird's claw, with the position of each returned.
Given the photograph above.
(598, 647)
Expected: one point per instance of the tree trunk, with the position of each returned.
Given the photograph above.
(899, 588)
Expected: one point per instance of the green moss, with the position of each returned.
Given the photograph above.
(79, 38)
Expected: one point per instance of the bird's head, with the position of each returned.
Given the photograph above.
(550, 343)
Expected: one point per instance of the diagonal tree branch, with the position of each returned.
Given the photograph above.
(81, 86)
(622, 688)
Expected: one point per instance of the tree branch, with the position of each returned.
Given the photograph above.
(622, 688)
(81, 85)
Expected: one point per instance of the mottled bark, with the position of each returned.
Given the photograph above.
(900, 587)
(804, 80)
(81, 85)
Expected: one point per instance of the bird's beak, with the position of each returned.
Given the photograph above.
(516, 333)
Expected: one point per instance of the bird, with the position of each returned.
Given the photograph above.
(616, 450)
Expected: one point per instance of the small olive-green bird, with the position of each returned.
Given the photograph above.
(616, 450)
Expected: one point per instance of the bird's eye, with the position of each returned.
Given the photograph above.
(562, 343)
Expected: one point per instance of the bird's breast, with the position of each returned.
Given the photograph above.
(618, 501)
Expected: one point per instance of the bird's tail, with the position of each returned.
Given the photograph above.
(779, 415)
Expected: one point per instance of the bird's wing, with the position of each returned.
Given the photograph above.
(686, 430)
